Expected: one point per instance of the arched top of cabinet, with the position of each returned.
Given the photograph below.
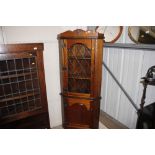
(80, 34)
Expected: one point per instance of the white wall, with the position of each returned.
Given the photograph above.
(47, 35)
(128, 66)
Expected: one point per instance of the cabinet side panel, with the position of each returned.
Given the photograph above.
(100, 60)
(42, 77)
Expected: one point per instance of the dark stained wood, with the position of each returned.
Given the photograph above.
(71, 42)
(40, 62)
(80, 102)
(22, 86)
(23, 115)
(37, 121)
(7, 48)
(77, 112)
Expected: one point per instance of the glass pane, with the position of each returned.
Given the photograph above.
(19, 86)
(79, 69)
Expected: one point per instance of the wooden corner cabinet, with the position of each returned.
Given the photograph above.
(81, 71)
(23, 101)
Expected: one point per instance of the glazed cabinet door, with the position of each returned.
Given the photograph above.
(78, 66)
(77, 113)
(20, 87)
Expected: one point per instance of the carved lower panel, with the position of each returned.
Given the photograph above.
(77, 112)
(80, 113)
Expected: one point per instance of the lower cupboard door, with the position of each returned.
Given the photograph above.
(77, 113)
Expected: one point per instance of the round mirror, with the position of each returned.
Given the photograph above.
(142, 34)
(111, 33)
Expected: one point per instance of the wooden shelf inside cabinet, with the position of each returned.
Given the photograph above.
(22, 86)
(81, 62)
